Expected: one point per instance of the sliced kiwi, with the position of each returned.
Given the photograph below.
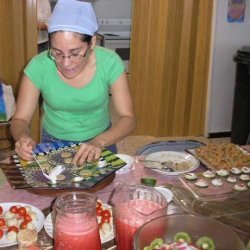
(158, 242)
(205, 243)
(182, 237)
(148, 181)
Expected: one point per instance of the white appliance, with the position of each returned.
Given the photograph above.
(116, 36)
(120, 43)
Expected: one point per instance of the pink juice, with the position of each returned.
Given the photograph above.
(73, 233)
(128, 220)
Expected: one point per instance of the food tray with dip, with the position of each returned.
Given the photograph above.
(28, 175)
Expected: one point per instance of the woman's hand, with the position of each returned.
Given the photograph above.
(24, 148)
(88, 152)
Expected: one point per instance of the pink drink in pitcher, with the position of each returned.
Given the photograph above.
(134, 206)
(76, 225)
(76, 236)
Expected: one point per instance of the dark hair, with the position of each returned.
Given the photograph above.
(84, 38)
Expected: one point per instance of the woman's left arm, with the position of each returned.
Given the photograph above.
(123, 104)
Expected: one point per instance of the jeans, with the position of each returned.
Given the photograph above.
(47, 138)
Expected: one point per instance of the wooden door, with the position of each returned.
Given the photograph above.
(170, 50)
(18, 44)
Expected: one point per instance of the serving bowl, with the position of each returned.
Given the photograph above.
(166, 227)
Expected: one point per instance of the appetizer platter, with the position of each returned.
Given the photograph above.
(213, 184)
(50, 161)
(15, 216)
(217, 156)
(171, 162)
(104, 219)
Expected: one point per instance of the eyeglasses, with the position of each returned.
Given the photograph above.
(59, 57)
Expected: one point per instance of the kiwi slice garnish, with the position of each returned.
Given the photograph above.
(205, 243)
(148, 181)
(182, 237)
(158, 242)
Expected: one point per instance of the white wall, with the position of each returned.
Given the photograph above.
(228, 37)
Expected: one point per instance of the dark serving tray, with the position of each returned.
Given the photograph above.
(28, 175)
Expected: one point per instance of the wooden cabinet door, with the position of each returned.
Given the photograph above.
(18, 44)
(170, 51)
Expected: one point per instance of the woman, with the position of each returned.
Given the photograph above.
(75, 79)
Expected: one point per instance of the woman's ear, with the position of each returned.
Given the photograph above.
(93, 42)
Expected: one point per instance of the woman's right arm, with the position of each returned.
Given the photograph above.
(26, 105)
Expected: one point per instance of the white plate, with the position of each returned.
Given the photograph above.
(166, 193)
(49, 227)
(4, 242)
(129, 160)
(189, 161)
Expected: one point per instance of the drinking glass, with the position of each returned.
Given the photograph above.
(134, 205)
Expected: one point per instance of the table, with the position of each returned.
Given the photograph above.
(44, 202)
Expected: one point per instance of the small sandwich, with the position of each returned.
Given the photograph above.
(27, 238)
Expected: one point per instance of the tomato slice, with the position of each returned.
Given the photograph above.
(105, 220)
(1, 210)
(98, 211)
(2, 222)
(27, 218)
(14, 209)
(22, 211)
(106, 213)
(13, 228)
(1, 233)
(23, 225)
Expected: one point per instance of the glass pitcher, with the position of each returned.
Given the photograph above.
(133, 206)
(76, 225)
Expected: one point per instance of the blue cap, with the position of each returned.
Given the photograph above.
(75, 16)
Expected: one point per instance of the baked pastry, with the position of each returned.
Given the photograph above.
(26, 238)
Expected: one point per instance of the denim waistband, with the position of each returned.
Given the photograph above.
(47, 138)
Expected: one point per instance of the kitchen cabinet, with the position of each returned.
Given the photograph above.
(18, 44)
(169, 65)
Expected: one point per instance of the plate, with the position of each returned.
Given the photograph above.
(49, 227)
(166, 193)
(129, 161)
(4, 242)
(183, 162)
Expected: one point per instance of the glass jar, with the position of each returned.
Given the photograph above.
(76, 225)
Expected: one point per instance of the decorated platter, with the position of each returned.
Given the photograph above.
(106, 231)
(32, 174)
(179, 162)
(12, 219)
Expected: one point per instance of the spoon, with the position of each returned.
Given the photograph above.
(54, 173)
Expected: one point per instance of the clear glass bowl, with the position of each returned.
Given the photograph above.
(196, 226)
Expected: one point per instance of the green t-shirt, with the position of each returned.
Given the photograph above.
(75, 114)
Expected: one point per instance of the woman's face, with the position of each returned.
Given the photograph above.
(70, 53)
